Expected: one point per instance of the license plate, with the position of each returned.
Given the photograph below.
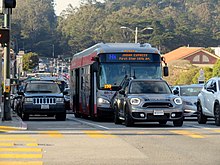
(45, 106)
(158, 112)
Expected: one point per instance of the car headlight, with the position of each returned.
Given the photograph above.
(178, 101)
(135, 101)
(28, 99)
(103, 101)
(60, 100)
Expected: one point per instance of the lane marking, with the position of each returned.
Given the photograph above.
(20, 150)
(98, 134)
(189, 134)
(18, 156)
(6, 144)
(21, 163)
(54, 134)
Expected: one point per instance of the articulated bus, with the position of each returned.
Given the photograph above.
(96, 73)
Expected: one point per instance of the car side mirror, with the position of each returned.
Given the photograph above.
(175, 92)
(65, 92)
(122, 92)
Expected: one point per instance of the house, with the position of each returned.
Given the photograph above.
(196, 55)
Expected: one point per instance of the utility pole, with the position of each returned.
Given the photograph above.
(7, 108)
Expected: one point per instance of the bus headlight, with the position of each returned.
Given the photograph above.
(135, 101)
(28, 100)
(178, 101)
(103, 101)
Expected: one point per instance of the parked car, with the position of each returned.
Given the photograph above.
(43, 98)
(208, 104)
(147, 100)
(67, 98)
(189, 95)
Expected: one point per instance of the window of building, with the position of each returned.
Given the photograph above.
(205, 58)
(196, 58)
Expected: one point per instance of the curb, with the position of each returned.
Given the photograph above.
(15, 124)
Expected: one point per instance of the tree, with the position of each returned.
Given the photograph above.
(216, 69)
(30, 61)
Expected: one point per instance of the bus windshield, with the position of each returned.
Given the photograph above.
(113, 73)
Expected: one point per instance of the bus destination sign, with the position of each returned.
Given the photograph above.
(132, 57)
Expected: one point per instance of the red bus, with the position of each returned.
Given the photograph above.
(96, 73)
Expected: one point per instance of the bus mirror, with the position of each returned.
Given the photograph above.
(95, 67)
(165, 71)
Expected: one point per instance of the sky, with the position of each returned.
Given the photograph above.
(62, 5)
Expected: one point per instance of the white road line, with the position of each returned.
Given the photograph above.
(92, 124)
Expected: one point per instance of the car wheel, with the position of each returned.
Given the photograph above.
(25, 117)
(61, 116)
(202, 119)
(163, 122)
(116, 116)
(128, 119)
(178, 123)
(217, 115)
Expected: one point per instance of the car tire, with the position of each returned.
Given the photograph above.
(61, 116)
(116, 116)
(217, 115)
(178, 123)
(163, 122)
(202, 119)
(128, 119)
(25, 117)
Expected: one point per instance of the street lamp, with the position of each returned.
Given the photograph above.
(136, 31)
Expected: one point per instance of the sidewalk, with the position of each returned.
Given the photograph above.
(15, 124)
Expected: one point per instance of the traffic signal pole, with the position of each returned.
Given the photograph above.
(7, 107)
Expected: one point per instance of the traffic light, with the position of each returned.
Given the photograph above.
(4, 35)
(6, 4)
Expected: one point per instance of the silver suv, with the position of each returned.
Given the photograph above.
(208, 104)
(147, 100)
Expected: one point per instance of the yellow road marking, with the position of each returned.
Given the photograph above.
(20, 149)
(7, 128)
(54, 134)
(188, 133)
(16, 156)
(21, 163)
(31, 144)
(98, 134)
(16, 139)
(217, 131)
(6, 144)
(14, 136)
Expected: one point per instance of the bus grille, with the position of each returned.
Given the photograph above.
(46, 100)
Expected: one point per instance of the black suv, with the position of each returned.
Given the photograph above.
(43, 98)
(147, 100)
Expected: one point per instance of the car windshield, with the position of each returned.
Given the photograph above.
(42, 88)
(190, 91)
(150, 87)
(113, 73)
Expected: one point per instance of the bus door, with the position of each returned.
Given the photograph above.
(77, 93)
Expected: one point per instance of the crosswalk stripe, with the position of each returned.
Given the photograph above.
(31, 144)
(20, 149)
(18, 156)
(17, 139)
(188, 133)
(6, 144)
(98, 134)
(21, 163)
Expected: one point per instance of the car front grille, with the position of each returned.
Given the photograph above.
(158, 105)
(44, 100)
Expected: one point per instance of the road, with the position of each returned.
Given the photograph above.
(78, 141)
